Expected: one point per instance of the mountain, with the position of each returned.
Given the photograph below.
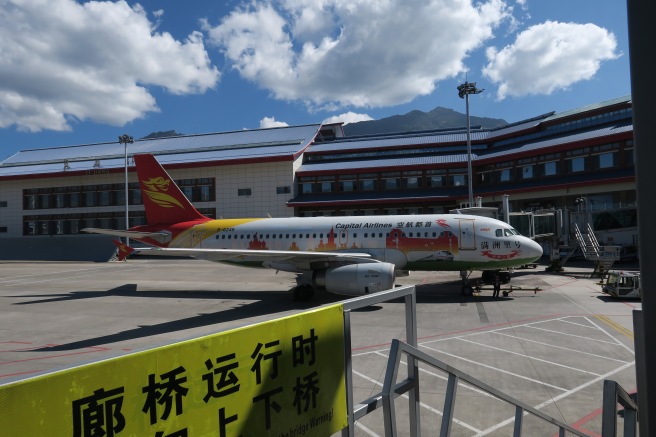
(161, 134)
(438, 118)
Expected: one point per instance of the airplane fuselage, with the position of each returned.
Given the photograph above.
(451, 242)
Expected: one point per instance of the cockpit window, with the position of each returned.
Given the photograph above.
(499, 233)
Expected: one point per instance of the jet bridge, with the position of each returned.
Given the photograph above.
(543, 224)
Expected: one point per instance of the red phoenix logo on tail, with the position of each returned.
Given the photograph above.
(156, 189)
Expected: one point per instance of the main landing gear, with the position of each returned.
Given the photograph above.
(487, 278)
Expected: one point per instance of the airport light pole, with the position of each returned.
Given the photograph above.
(125, 140)
(464, 91)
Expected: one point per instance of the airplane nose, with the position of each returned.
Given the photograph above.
(533, 249)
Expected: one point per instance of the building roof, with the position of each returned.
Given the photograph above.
(380, 164)
(228, 146)
(408, 196)
(349, 166)
(564, 139)
(617, 101)
(396, 140)
(442, 146)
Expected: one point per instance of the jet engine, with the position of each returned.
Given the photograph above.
(356, 279)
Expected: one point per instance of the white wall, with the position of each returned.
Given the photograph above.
(261, 178)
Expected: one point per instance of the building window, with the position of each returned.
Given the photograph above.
(549, 168)
(196, 190)
(349, 185)
(90, 198)
(243, 192)
(392, 181)
(306, 187)
(458, 180)
(44, 201)
(458, 177)
(576, 164)
(283, 190)
(325, 187)
(607, 160)
(436, 180)
(412, 179)
(504, 175)
(104, 198)
(527, 172)
(204, 193)
(73, 200)
(59, 200)
(368, 183)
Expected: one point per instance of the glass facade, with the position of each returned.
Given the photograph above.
(56, 200)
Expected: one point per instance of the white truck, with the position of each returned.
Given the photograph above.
(622, 284)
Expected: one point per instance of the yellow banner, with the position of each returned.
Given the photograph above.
(284, 377)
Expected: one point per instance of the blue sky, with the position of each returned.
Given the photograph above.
(86, 72)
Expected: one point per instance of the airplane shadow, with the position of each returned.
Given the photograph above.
(259, 304)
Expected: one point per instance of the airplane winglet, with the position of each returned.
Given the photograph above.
(123, 250)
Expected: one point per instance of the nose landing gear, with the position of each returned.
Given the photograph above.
(466, 290)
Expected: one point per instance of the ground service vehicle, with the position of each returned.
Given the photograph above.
(622, 284)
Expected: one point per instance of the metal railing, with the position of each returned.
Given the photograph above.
(614, 394)
(366, 406)
(392, 389)
(410, 385)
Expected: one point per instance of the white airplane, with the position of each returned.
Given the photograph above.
(343, 255)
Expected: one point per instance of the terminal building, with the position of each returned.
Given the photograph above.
(579, 161)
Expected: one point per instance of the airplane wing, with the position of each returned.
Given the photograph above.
(161, 236)
(300, 259)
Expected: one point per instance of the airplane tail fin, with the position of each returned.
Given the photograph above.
(162, 198)
(123, 250)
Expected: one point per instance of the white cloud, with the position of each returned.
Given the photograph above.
(548, 57)
(363, 53)
(348, 117)
(268, 122)
(62, 61)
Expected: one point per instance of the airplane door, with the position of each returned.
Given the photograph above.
(467, 237)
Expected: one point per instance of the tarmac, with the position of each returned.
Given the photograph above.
(550, 343)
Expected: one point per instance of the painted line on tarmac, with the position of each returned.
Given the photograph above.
(367, 430)
(438, 376)
(529, 357)
(563, 319)
(613, 324)
(560, 347)
(573, 335)
(619, 343)
(556, 398)
(495, 368)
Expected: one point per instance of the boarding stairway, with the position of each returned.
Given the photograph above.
(603, 256)
(587, 244)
